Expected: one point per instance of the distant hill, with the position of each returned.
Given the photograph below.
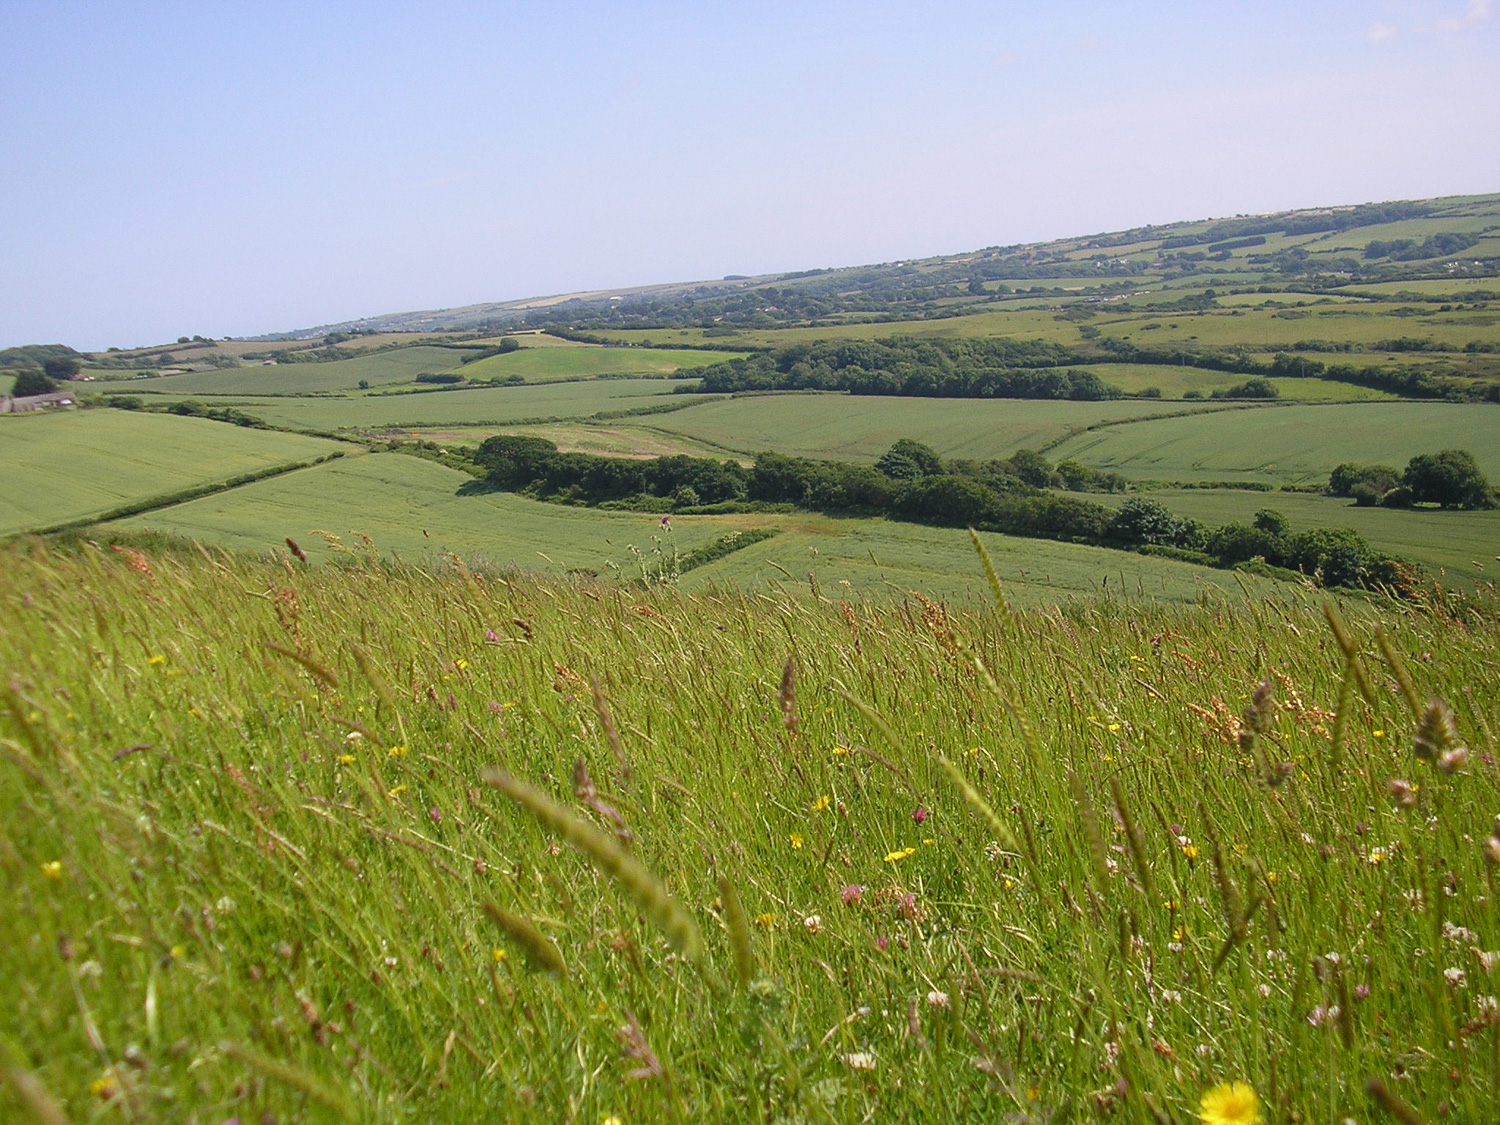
(1310, 249)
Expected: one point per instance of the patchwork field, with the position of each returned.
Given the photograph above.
(1175, 381)
(381, 369)
(70, 466)
(545, 364)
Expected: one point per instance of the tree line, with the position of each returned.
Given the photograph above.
(910, 482)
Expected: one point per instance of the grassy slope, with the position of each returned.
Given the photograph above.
(267, 915)
(60, 467)
(1289, 443)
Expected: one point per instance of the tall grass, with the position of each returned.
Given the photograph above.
(943, 865)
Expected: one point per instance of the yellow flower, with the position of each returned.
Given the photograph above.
(177, 951)
(346, 759)
(104, 1087)
(460, 664)
(612, 1119)
(898, 856)
(841, 751)
(796, 839)
(1232, 1103)
(1272, 877)
(820, 804)
(156, 660)
(1113, 727)
(396, 792)
(1190, 850)
(398, 751)
(499, 955)
(53, 870)
(1378, 733)
(765, 921)
(927, 842)
(973, 751)
(1010, 884)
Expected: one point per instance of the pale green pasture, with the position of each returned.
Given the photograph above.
(544, 364)
(381, 369)
(1465, 544)
(1433, 287)
(471, 406)
(862, 427)
(1173, 380)
(63, 467)
(605, 439)
(1288, 443)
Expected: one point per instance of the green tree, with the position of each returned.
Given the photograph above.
(1450, 479)
(908, 460)
(1141, 520)
(31, 382)
(62, 367)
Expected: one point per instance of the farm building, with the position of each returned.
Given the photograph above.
(57, 400)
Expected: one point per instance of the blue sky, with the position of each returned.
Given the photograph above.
(236, 168)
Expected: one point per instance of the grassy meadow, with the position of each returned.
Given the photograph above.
(370, 843)
(382, 369)
(81, 464)
(582, 361)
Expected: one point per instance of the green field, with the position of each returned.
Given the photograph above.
(362, 843)
(6, 382)
(61, 467)
(382, 369)
(1293, 444)
(546, 364)
(862, 427)
(461, 407)
(1173, 381)
(1461, 546)
(413, 508)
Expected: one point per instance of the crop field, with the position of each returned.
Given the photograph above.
(1173, 381)
(6, 382)
(862, 427)
(545, 364)
(1461, 547)
(604, 439)
(302, 843)
(476, 406)
(1288, 444)
(1458, 288)
(399, 366)
(62, 467)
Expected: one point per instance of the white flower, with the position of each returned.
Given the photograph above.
(1454, 977)
(354, 736)
(1488, 959)
(225, 905)
(937, 999)
(860, 1060)
(1459, 933)
(1171, 996)
(814, 923)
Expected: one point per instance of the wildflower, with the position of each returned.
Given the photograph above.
(1112, 727)
(898, 856)
(820, 804)
(1272, 877)
(881, 942)
(53, 870)
(346, 759)
(354, 736)
(1378, 733)
(1488, 959)
(860, 1060)
(1232, 1103)
(398, 751)
(973, 751)
(919, 814)
(928, 841)
(1404, 793)
(1454, 977)
(1171, 996)
(796, 839)
(1377, 856)
(1190, 850)
(397, 791)
(613, 1118)
(765, 921)
(104, 1087)
(1361, 992)
(436, 814)
(460, 664)
(841, 751)
(813, 923)
(491, 636)
(499, 955)
(156, 661)
(936, 999)
(852, 894)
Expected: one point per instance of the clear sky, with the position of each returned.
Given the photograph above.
(226, 168)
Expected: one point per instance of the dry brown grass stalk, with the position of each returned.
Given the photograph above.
(541, 953)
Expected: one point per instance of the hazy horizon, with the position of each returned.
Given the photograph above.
(254, 169)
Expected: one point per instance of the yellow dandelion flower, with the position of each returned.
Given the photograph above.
(1378, 856)
(398, 751)
(346, 759)
(898, 856)
(841, 751)
(1272, 877)
(1112, 727)
(397, 791)
(1010, 884)
(973, 751)
(1180, 933)
(1378, 733)
(1232, 1103)
(612, 1119)
(1190, 850)
(820, 804)
(156, 660)
(928, 841)
(500, 955)
(104, 1087)
(53, 870)
(460, 664)
(765, 921)
(796, 839)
